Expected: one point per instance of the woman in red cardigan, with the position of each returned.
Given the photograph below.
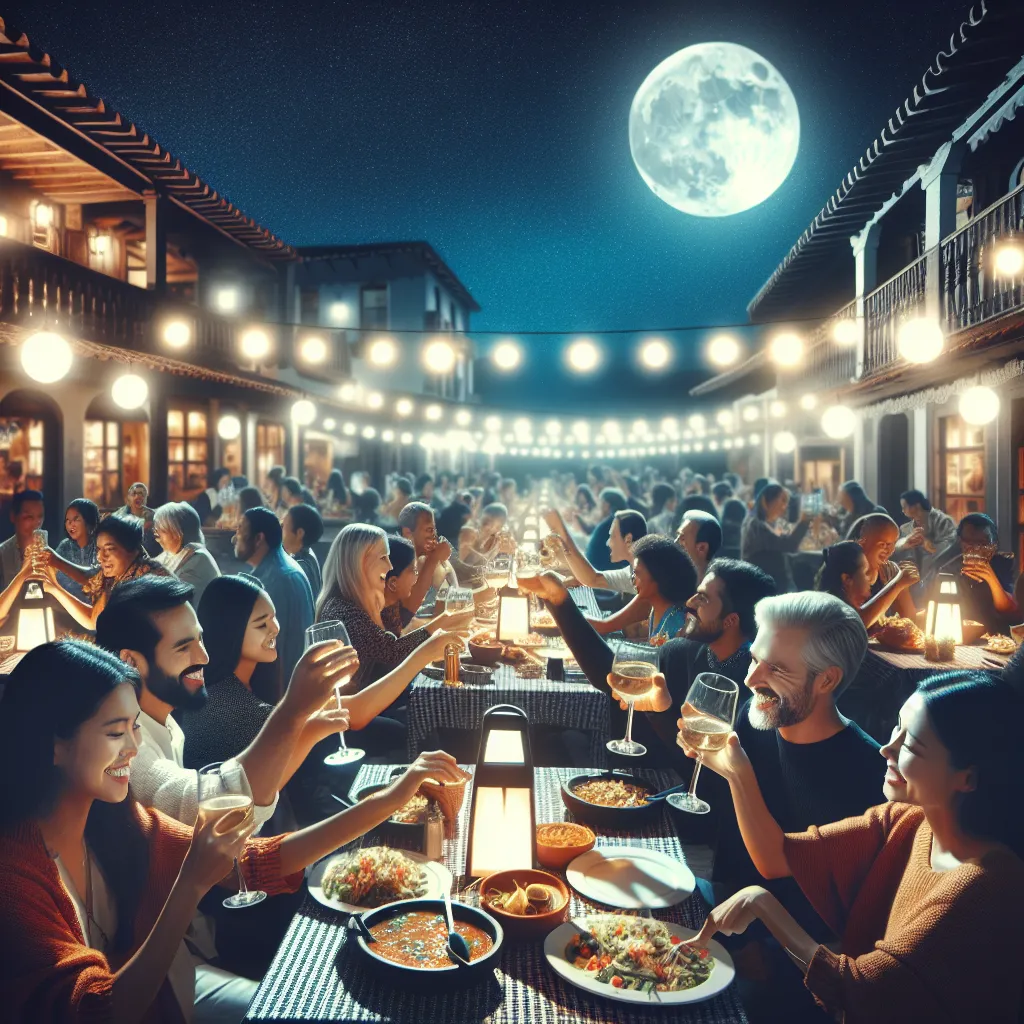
(927, 891)
(97, 892)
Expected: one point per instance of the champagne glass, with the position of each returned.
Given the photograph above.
(334, 629)
(458, 599)
(223, 787)
(497, 571)
(708, 716)
(634, 669)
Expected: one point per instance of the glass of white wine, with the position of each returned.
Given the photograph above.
(334, 629)
(633, 669)
(223, 787)
(497, 572)
(708, 716)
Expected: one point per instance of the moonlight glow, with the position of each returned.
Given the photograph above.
(714, 129)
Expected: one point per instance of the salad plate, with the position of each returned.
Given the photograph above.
(380, 869)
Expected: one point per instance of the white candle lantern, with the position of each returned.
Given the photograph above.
(943, 618)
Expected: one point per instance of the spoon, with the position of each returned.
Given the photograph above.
(358, 925)
(668, 792)
(457, 948)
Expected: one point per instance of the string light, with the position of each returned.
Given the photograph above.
(338, 313)
(387, 436)
(406, 437)
(809, 402)
(777, 409)
(979, 405)
(724, 418)
(349, 391)
(839, 421)
(506, 356)
(723, 351)
(313, 349)
(751, 413)
(369, 433)
(655, 354)
(784, 443)
(583, 356)
(1009, 260)
(130, 391)
(493, 424)
(46, 357)
(375, 400)
(920, 340)
(404, 407)
(845, 332)
(303, 412)
(177, 334)
(383, 353)
(255, 344)
(433, 413)
(438, 357)
(229, 427)
(349, 429)
(330, 423)
(463, 417)
(786, 350)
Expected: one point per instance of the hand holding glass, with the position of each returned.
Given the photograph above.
(458, 599)
(334, 629)
(223, 787)
(634, 669)
(708, 717)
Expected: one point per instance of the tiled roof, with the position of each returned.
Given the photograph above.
(985, 47)
(47, 86)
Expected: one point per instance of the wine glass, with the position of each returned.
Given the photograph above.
(708, 716)
(223, 787)
(634, 668)
(334, 629)
(527, 564)
(458, 599)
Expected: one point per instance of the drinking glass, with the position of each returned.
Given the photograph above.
(458, 599)
(527, 564)
(334, 629)
(223, 787)
(634, 668)
(708, 716)
(497, 571)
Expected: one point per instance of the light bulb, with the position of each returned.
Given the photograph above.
(46, 357)
(130, 391)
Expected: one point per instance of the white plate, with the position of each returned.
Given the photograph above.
(439, 880)
(554, 951)
(630, 877)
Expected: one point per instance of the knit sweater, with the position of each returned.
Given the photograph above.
(918, 944)
(47, 972)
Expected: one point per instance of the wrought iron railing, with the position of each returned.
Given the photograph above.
(831, 362)
(885, 309)
(972, 290)
(39, 289)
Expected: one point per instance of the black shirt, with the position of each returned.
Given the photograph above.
(976, 596)
(228, 722)
(803, 784)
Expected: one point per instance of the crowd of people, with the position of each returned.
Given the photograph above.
(857, 866)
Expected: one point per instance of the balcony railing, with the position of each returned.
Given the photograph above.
(885, 309)
(44, 291)
(971, 290)
(831, 364)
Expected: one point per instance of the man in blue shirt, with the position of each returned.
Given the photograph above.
(258, 542)
(598, 555)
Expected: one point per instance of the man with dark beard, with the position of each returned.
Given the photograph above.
(150, 624)
(719, 628)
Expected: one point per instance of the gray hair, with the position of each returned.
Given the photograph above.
(343, 566)
(836, 636)
(181, 518)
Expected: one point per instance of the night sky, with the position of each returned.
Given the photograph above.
(497, 132)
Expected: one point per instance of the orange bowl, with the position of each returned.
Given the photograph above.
(560, 842)
(485, 654)
(520, 926)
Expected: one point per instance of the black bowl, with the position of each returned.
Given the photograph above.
(609, 817)
(419, 975)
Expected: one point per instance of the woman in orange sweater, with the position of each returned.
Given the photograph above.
(97, 892)
(927, 891)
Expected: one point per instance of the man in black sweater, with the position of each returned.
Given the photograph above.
(719, 629)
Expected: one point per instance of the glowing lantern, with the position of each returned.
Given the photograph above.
(46, 357)
(943, 618)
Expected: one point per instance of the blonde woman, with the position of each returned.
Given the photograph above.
(179, 532)
(355, 572)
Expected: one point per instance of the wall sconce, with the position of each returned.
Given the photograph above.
(42, 216)
(943, 616)
(513, 617)
(99, 245)
(35, 618)
(502, 822)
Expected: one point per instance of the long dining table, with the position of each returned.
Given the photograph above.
(320, 974)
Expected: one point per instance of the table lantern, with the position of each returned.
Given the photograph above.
(35, 618)
(502, 822)
(943, 616)
(513, 617)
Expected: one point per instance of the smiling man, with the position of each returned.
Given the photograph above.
(811, 764)
(151, 626)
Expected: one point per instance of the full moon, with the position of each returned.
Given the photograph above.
(714, 129)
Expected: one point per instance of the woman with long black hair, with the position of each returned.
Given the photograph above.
(98, 891)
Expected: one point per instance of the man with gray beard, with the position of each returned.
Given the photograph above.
(812, 765)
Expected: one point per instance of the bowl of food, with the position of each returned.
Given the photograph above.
(407, 820)
(562, 841)
(409, 939)
(528, 903)
(485, 650)
(972, 630)
(611, 799)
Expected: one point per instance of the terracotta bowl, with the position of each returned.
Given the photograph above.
(578, 840)
(485, 655)
(518, 926)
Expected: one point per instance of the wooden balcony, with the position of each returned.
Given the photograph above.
(901, 298)
(39, 290)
